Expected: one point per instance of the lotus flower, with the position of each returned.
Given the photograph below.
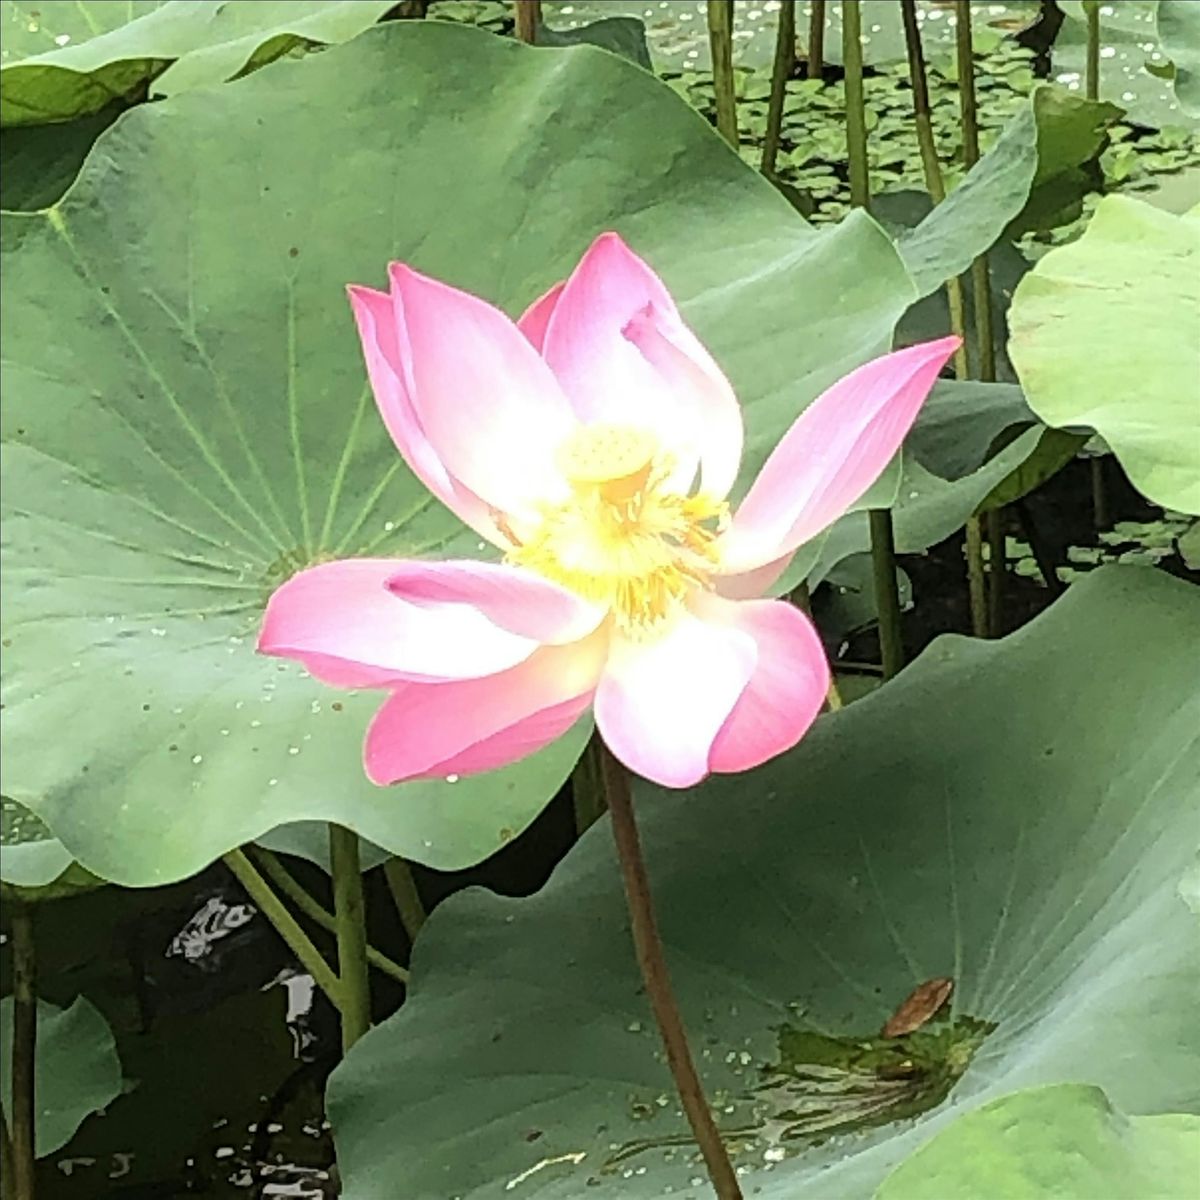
(594, 443)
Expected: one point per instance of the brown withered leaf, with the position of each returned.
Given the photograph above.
(922, 1004)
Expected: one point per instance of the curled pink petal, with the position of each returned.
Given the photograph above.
(489, 406)
(510, 597)
(619, 347)
(661, 703)
(709, 417)
(431, 730)
(375, 317)
(533, 321)
(786, 691)
(832, 453)
(343, 624)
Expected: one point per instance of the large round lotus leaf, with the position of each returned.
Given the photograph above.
(76, 1069)
(1064, 1142)
(1105, 334)
(995, 815)
(188, 422)
(66, 60)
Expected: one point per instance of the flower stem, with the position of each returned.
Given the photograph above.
(981, 289)
(997, 567)
(405, 896)
(587, 786)
(981, 297)
(24, 1052)
(350, 922)
(1091, 80)
(976, 580)
(856, 116)
(781, 72)
(8, 1162)
(1091, 86)
(528, 15)
(649, 949)
(887, 591)
(816, 40)
(288, 928)
(883, 540)
(285, 882)
(720, 40)
(935, 185)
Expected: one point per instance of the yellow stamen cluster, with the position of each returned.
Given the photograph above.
(623, 538)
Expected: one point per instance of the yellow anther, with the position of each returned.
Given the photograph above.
(626, 537)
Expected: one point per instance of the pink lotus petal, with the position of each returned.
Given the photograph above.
(619, 347)
(533, 321)
(833, 452)
(487, 402)
(375, 317)
(512, 598)
(519, 740)
(661, 703)
(750, 585)
(708, 414)
(786, 691)
(427, 730)
(343, 624)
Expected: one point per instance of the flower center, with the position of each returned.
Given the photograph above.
(623, 538)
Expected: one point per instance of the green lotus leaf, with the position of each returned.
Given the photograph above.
(1035, 174)
(1179, 28)
(958, 425)
(76, 1069)
(1105, 335)
(67, 60)
(625, 36)
(1054, 450)
(31, 856)
(206, 428)
(927, 508)
(309, 840)
(39, 162)
(1064, 1142)
(991, 816)
(1135, 69)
